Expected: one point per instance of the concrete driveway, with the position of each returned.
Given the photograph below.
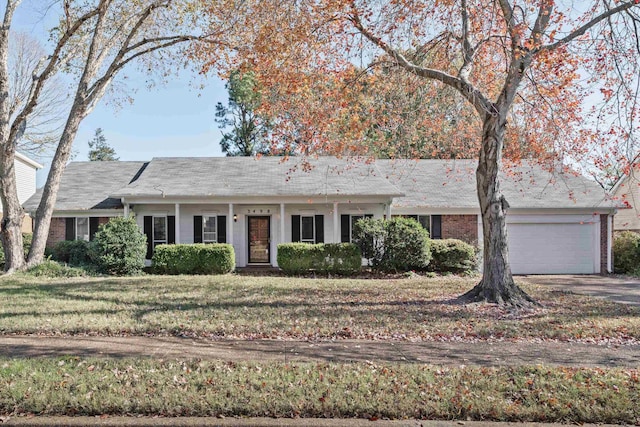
(622, 289)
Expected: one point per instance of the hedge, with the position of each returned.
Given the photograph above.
(119, 247)
(72, 252)
(335, 258)
(198, 258)
(452, 255)
(398, 244)
(626, 252)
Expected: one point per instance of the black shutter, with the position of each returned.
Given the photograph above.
(94, 223)
(222, 228)
(148, 231)
(197, 229)
(171, 232)
(345, 230)
(70, 229)
(319, 228)
(436, 226)
(295, 228)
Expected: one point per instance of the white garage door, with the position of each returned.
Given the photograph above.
(568, 248)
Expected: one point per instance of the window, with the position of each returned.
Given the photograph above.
(159, 230)
(209, 229)
(82, 229)
(424, 220)
(354, 219)
(307, 229)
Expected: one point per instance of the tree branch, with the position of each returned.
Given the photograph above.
(482, 105)
(586, 27)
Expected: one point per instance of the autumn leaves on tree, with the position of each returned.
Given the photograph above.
(521, 79)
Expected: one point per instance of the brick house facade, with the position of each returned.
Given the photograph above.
(462, 227)
(58, 229)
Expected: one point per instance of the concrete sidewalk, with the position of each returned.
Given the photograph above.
(480, 353)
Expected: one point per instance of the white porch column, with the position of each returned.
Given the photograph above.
(281, 222)
(387, 211)
(177, 231)
(336, 219)
(230, 225)
(126, 210)
(609, 243)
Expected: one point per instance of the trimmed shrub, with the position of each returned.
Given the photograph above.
(626, 252)
(119, 247)
(199, 258)
(399, 244)
(72, 252)
(452, 255)
(334, 258)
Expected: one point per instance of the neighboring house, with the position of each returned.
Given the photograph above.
(254, 204)
(26, 183)
(627, 191)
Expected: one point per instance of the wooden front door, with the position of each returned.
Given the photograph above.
(259, 240)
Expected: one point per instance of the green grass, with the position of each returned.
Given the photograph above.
(76, 386)
(295, 308)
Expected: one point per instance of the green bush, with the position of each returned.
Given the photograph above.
(399, 244)
(119, 248)
(72, 252)
(199, 258)
(334, 258)
(452, 255)
(53, 269)
(626, 252)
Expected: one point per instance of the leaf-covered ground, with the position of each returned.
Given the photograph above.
(248, 307)
(78, 386)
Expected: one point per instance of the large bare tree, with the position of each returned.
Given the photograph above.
(93, 42)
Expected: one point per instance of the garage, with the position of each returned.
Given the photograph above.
(568, 246)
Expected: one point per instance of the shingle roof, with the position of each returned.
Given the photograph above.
(266, 176)
(452, 184)
(88, 185)
(413, 183)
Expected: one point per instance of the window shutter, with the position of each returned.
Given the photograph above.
(94, 223)
(148, 231)
(436, 226)
(197, 229)
(222, 228)
(171, 229)
(70, 229)
(319, 228)
(345, 231)
(295, 228)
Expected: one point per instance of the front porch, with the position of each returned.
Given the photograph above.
(253, 229)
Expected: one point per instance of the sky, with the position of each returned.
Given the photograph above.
(176, 119)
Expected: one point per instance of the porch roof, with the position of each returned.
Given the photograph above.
(253, 177)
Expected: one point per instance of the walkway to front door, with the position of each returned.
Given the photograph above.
(259, 237)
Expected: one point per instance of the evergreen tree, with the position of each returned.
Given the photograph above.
(248, 134)
(99, 150)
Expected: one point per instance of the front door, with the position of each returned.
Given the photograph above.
(259, 239)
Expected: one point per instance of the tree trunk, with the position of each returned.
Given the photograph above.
(11, 227)
(50, 190)
(497, 285)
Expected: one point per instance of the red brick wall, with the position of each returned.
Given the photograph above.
(604, 234)
(56, 231)
(462, 227)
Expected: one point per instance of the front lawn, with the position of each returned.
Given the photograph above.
(76, 386)
(293, 308)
